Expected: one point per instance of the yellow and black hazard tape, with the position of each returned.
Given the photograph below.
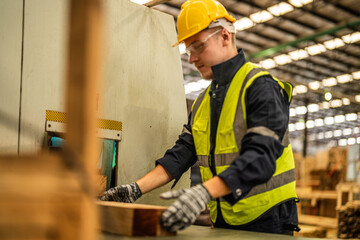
(55, 116)
(102, 123)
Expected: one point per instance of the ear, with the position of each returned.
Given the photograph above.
(226, 36)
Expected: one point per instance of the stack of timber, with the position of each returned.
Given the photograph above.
(348, 210)
(132, 219)
(349, 220)
(40, 198)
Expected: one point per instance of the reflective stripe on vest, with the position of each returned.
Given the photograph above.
(231, 129)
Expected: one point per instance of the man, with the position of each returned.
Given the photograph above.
(237, 130)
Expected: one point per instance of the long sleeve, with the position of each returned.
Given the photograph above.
(266, 106)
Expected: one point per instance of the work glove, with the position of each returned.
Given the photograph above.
(128, 193)
(185, 210)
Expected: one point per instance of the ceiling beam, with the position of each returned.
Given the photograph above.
(273, 50)
(320, 91)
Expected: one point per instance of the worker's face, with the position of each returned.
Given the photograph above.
(205, 50)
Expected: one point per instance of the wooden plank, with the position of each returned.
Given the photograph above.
(311, 231)
(131, 219)
(318, 221)
(39, 198)
(100, 184)
(83, 77)
(316, 194)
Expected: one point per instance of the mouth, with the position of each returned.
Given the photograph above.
(199, 66)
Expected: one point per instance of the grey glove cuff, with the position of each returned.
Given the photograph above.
(202, 192)
(128, 193)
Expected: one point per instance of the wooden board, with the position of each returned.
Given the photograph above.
(132, 219)
(318, 221)
(41, 199)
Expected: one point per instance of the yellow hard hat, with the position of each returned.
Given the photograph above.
(196, 15)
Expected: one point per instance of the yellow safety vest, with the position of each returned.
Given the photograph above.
(230, 131)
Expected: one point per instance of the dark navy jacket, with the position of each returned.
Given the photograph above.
(265, 106)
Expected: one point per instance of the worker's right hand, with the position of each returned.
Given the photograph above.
(128, 193)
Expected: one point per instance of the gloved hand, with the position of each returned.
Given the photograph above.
(186, 209)
(128, 193)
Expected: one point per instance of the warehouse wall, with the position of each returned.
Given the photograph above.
(142, 87)
(10, 73)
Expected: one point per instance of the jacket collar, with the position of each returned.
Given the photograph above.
(225, 71)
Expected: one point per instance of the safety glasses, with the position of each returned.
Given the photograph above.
(199, 46)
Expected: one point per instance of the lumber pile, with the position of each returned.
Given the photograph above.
(348, 210)
(349, 220)
(40, 198)
(132, 219)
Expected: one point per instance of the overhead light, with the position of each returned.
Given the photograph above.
(329, 120)
(243, 23)
(319, 122)
(351, 117)
(346, 101)
(313, 107)
(267, 64)
(292, 112)
(344, 78)
(310, 124)
(328, 96)
(314, 85)
(351, 38)
(291, 127)
(282, 59)
(280, 9)
(300, 110)
(298, 54)
(182, 48)
(347, 131)
(325, 105)
(339, 118)
(351, 141)
(321, 135)
(141, 2)
(356, 75)
(356, 130)
(329, 82)
(357, 98)
(336, 103)
(300, 3)
(342, 142)
(261, 16)
(299, 89)
(300, 126)
(334, 43)
(337, 133)
(328, 134)
(315, 49)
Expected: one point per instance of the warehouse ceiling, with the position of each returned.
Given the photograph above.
(315, 45)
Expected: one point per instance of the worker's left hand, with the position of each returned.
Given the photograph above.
(186, 209)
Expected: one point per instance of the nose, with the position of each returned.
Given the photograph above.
(193, 58)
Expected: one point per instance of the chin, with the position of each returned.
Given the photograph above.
(207, 76)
